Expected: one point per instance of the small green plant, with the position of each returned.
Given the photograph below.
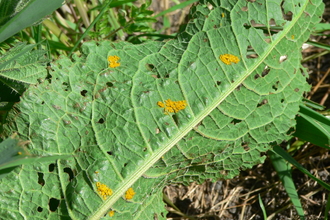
(135, 117)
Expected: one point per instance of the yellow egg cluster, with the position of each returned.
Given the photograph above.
(172, 106)
(111, 213)
(103, 190)
(229, 59)
(129, 194)
(113, 61)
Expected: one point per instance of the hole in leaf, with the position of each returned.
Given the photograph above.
(288, 16)
(109, 84)
(238, 87)
(235, 121)
(246, 26)
(275, 87)
(290, 131)
(39, 209)
(42, 102)
(256, 76)
(302, 72)
(65, 86)
(51, 167)
(250, 53)
(282, 100)
(265, 71)
(110, 153)
(83, 92)
(53, 204)
(175, 119)
(263, 102)
(283, 58)
(245, 146)
(125, 164)
(150, 67)
(101, 121)
(41, 180)
(69, 171)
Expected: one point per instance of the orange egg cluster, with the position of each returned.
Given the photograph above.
(103, 190)
(229, 59)
(172, 106)
(129, 194)
(113, 61)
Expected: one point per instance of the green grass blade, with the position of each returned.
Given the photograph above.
(278, 150)
(30, 13)
(262, 207)
(319, 45)
(313, 127)
(327, 208)
(313, 105)
(283, 170)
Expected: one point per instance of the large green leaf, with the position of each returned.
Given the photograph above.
(109, 118)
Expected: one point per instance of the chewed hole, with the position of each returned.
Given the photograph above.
(235, 121)
(275, 87)
(265, 71)
(218, 83)
(110, 153)
(51, 167)
(150, 67)
(69, 171)
(83, 92)
(283, 58)
(263, 102)
(39, 209)
(245, 146)
(288, 16)
(238, 87)
(101, 121)
(41, 180)
(53, 204)
(109, 84)
(250, 53)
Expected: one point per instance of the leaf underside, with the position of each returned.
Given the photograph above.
(109, 121)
